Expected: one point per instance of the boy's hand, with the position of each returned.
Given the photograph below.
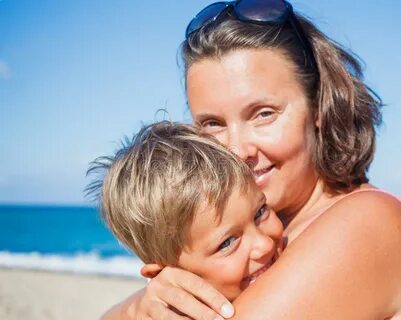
(178, 294)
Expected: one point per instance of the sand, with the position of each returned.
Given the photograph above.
(37, 295)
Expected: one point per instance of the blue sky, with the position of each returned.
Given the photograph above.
(75, 76)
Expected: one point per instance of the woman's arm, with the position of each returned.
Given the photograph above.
(347, 265)
(127, 309)
(178, 288)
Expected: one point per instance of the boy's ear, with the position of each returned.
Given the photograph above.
(151, 270)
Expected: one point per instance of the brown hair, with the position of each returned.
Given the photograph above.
(156, 183)
(348, 110)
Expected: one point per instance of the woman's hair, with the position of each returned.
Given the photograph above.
(155, 184)
(332, 80)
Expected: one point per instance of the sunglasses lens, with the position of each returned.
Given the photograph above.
(274, 11)
(207, 15)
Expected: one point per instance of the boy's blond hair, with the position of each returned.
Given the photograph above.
(156, 183)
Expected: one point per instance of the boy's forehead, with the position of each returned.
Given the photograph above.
(210, 222)
(205, 222)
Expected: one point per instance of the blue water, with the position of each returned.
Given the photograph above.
(55, 230)
(60, 238)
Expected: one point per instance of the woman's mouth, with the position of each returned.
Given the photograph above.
(262, 176)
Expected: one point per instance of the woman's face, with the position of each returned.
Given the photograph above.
(251, 101)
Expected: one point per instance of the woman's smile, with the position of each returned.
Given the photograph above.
(262, 176)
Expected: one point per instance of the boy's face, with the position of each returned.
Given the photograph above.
(232, 252)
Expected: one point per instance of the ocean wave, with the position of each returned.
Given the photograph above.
(82, 263)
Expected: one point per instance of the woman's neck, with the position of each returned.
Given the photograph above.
(320, 199)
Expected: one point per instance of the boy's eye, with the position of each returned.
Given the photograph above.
(226, 243)
(260, 213)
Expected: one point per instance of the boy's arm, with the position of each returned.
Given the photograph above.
(347, 265)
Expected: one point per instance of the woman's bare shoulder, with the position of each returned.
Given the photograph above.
(347, 265)
(362, 229)
(370, 200)
(368, 211)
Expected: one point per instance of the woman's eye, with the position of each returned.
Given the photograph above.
(264, 114)
(226, 243)
(209, 124)
(260, 213)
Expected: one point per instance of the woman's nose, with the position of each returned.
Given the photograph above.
(240, 142)
(262, 245)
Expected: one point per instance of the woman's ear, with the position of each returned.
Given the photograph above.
(318, 123)
(151, 270)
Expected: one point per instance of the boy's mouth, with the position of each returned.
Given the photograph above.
(262, 175)
(252, 277)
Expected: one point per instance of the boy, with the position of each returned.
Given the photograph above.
(177, 198)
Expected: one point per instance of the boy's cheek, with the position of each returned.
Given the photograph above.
(282, 245)
(276, 230)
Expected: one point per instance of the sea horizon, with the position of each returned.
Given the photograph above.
(61, 238)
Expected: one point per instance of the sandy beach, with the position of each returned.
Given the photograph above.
(37, 295)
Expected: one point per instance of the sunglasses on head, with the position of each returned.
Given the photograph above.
(273, 12)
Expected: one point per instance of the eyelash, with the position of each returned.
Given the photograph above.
(226, 243)
(267, 113)
(208, 123)
(263, 114)
(260, 213)
(230, 241)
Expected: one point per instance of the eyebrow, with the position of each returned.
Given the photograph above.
(245, 111)
(204, 116)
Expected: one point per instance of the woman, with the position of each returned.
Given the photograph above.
(291, 103)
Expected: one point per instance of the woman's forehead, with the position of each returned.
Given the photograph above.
(242, 77)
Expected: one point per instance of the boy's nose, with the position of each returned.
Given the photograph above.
(262, 245)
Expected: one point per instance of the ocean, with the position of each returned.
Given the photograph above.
(61, 238)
